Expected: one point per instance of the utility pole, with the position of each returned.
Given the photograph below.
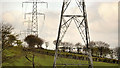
(34, 14)
(82, 25)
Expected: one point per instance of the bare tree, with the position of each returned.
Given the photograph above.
(103, 48)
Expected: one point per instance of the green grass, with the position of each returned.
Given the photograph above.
(17, 58)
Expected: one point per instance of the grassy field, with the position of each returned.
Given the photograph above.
(14, 56)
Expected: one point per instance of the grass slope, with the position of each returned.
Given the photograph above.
(14, 56)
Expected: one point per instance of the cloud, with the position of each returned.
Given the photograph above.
(105, 17)
(109, 13)
(104, 23)
(15, 18)
(12, 16)
(8, 17)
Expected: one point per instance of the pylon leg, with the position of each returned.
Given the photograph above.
(90, 59)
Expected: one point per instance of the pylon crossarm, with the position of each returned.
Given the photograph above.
(31, 14)
(72, 16)
(34, 1)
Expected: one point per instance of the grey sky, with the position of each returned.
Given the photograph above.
(102, 19)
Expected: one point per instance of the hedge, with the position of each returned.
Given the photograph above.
(75, 56)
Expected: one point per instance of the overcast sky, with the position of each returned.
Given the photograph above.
(102, 20)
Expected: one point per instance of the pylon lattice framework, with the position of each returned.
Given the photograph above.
(81, 25)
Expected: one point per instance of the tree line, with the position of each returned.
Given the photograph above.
(98, 48)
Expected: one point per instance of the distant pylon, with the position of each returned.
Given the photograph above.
(81, 24)
(34, 13)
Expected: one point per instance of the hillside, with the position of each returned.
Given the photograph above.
(15, 56)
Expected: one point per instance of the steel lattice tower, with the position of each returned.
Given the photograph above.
(81, 23)
(35, 13)
(34, 27)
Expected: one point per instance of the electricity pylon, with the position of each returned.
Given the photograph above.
(82, 25)
(34, 14)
